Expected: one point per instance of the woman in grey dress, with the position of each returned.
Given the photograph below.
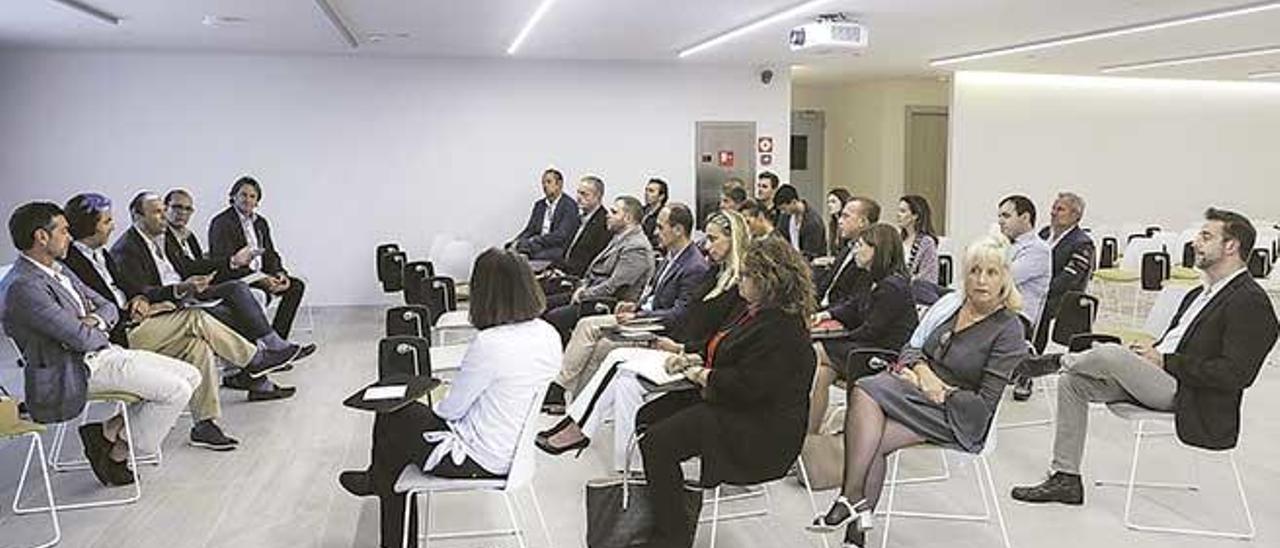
(943, 390)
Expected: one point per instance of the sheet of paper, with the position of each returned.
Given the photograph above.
(253, 278)
(646, 362)
(390, 392)
(204, 304)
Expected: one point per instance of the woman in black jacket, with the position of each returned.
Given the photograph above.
(882, 318)
(747, 420)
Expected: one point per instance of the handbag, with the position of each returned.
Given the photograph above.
(823, 461)
(620, 513)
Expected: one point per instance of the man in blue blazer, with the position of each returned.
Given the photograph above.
(61, 327)
(552, 223)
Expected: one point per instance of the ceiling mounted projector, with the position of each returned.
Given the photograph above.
(831, 33)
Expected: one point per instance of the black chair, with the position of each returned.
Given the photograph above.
(946, 270)
(1130, 237)
(381, 254)
(1188, 255)
(1076, 314)
(1260, 263)
(1110, 251)
(409, 320)
(1084, 341)
(1155, 270)
(404, 355)
(395, 272)
(1151, 230)
(596, 307)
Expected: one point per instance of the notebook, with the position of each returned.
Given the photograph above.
(647, 363)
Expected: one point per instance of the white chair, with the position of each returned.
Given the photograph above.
(1143, 417)
(122, 400)
(12, 428)
(413, 482)
(987, 489)
(717, 498)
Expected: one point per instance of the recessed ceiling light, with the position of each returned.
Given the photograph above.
(1200, 17)
(752, 26)
(1222, 56)
(528, 25)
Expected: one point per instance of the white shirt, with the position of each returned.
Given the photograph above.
(168, 274)
(504, 369)
(549, 214)
(1053, 241)
(1169, 343)
(582, 225)
(55, 272)
(182, 243)
(98, 258)
(795, 231)
(250, 238)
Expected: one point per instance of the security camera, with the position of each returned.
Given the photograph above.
(766, 76)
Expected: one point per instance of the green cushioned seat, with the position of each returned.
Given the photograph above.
(125, 397)
(1184, 273)
(1117, 275)
(20, 428)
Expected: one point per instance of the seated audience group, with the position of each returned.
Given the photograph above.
(720, 344)
(149, 315)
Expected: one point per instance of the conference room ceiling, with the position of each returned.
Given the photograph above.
(904, 34)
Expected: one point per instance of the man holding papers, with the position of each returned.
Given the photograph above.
(147, 269)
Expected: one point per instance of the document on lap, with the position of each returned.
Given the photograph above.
(647, 363)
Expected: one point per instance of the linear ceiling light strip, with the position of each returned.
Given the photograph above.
(1173, 62)
(1264, 75)
(338, 24)
(1200, 17)
(542, 10)
(752, 26)
(96, 13)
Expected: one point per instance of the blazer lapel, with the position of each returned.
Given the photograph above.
(1215, 302)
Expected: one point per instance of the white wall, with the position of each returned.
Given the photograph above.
(353, 152)
(1149, 151)
(865, 146)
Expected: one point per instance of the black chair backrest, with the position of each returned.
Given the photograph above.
(1076, 313)
(1155, 270)
(411, 320)
(381, 254)
(1151, 230)
(394, 280)
(1110, 250)
(1188, 255)
(1260, 263)
(1028, 330)
(417, 275)
(596, 307)
(404, 355)
(946, 270)
(1130, 237)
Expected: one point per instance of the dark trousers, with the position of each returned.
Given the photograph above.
(562, 315)
(290, 300)
(398, 442)
(239, 310)
(674, 428)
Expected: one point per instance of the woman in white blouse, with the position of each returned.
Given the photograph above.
(472, 432)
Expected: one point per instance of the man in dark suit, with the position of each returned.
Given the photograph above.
(239, 226)
(767, 184)
(1198, 369)
(60, 325)
(588, 240)
(666, 298)
(1072, 265)
(552, 223)
(147, 269)
(656, 194)
(799, 224)
(844, 283)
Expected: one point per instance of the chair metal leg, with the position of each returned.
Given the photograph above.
(409, 499)
(1132, 485)
(137, 483)
(36, 449)
(515, 521)
(892, 486)
(991, 484)
(537, 510)
(808, 489)
(60, 440)
(986, 488)
(1042, 387)
(715, 516)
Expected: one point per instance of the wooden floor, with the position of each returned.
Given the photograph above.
(280, 488)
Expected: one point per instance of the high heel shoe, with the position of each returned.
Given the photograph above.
(842, 513)
(560, 426)
(854, 536)
(546, 447)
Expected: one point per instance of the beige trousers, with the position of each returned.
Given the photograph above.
(587, 348)
(195, 337)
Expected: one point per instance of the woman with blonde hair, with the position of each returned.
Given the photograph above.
(616, 392)
(943, 389)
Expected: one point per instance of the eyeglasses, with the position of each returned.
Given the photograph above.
(181, 207)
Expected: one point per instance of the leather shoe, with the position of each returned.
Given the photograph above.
(277, 392)
(98, 451)
(1021, 388)
(1060, 487)
(1039, 366)
(357, 482)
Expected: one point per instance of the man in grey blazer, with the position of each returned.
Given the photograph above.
(618, 273)
(61, 327)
